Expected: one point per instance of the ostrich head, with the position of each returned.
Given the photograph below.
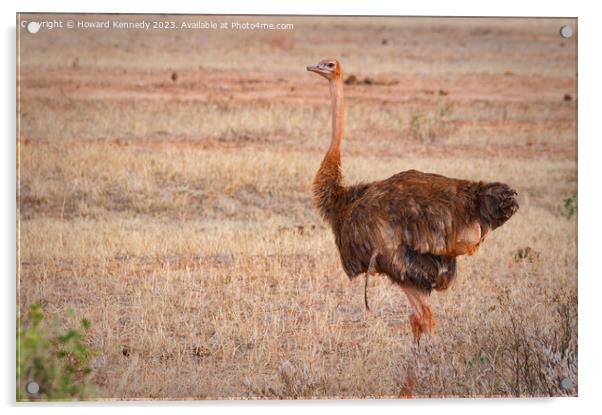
(328, 68)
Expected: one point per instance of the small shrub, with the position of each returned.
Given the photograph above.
(56, 360)
(570, 206)
(513, 355)
(538, 359)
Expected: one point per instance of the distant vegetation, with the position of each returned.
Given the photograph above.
(570, 206)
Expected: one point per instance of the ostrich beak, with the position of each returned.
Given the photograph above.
(313, 69)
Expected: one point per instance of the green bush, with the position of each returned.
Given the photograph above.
(54, 359)
(570, 206)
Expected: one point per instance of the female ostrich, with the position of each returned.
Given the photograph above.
(411, 226)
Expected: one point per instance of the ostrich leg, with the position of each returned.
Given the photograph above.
(422, 319)
(371, 271)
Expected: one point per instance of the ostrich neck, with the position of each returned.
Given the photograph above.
(327, 186)
(336, 96)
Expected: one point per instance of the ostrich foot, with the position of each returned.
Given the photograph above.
(407, 387)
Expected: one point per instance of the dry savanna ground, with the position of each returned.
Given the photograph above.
(164, 194)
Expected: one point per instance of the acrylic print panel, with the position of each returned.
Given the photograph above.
(185, 230)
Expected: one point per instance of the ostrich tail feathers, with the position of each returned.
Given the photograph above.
(497, 203)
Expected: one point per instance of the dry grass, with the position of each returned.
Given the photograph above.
(176, 215)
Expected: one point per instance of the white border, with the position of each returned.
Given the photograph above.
(590, 94)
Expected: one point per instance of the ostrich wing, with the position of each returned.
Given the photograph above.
(428, 213)
(419, 219)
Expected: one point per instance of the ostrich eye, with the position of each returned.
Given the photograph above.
(330, 65)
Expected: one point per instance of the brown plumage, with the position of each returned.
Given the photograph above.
(411, 226)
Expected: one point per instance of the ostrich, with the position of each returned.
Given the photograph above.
(411, 226)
